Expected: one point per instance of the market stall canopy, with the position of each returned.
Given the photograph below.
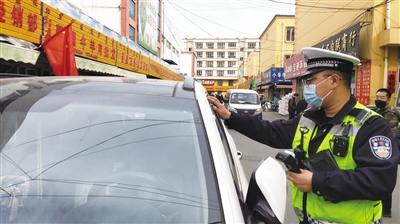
(85, 64)
(18, 50)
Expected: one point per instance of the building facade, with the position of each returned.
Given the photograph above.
(276, 45)
(141, 21)
(218, 60)
(368, 30)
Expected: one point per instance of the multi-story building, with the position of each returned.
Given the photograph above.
(140, 21)
(218, 60)
(368, 30)
(276, 45)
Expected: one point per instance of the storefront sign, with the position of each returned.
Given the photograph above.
(391, 85)
(363, 79)
(89, 43)
(132, 60)
(148, 25)
(295, 66)
(345, 42)
(21, 19)
(207, 82)
(274, 75)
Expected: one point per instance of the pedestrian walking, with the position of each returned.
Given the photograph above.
(292, 105)
(356, 140)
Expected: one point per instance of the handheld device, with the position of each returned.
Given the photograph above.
(289, 161)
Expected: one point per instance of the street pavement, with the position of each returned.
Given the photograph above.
(254, 152)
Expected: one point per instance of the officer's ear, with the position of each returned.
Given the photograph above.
(335, 78)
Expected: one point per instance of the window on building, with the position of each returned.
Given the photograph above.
(287, 56)
(230, 83)
(242, 49)
(231, 63)
(220, 73)
(168, 45)
(231, 72)
(231, 54)
(209, 54)
(219, 82)
(251, 45)
(241, 58)
(173, 49)
(221, 45)
(158, 35)
(199, 64)
(132, 6)
(232, 44)
(220, 54)
(209, 64)
(289, 34)
(209, 73)
(199, 54)
(199, 45)
(220, 64)
(199, 72)
(131, 33)
(210, 45)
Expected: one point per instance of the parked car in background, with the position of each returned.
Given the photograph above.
(120, 150)
(243, 101)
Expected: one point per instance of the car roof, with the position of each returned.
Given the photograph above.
(242, 90)
(155, 87)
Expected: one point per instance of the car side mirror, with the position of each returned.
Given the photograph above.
(266, 195)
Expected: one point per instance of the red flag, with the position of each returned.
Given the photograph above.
(60, 52)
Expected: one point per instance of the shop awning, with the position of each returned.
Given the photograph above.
(86, 64)
(283, 86)
(18, 54)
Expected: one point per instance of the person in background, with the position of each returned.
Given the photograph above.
(337, 127)
(392, 116)
(292, 105)
(302, 105)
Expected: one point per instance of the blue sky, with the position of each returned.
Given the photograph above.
(224, 18)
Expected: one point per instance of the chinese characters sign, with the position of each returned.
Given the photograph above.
(363, 80)
(345, 42)
(295, 67)
(274, 75)
(391, 85)
(21, 19)
(36, 21)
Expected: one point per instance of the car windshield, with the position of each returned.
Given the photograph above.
(98, 157)
(245, 98)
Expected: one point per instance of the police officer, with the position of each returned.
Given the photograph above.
(392, 116)
(358, 139)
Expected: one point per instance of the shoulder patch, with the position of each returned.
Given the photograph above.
(381, 147)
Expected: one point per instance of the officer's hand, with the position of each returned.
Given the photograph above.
(303, 180)
(219, 108)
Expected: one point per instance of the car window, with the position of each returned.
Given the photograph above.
(229, 156)
(85, 157)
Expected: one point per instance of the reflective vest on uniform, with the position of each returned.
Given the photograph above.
(352, 211)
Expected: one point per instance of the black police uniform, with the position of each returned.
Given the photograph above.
(373, 177)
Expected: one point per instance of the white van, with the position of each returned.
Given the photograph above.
(243, 101)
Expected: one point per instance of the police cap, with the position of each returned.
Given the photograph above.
(318, 60)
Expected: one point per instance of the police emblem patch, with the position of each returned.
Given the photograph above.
(381, 147)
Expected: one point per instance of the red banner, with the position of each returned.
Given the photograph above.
(363, 81)
(60, 52)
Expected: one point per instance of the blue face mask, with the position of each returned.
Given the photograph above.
(310, 94)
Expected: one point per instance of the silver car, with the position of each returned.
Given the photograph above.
(120, 150)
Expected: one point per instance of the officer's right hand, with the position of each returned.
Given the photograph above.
(219, 108)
